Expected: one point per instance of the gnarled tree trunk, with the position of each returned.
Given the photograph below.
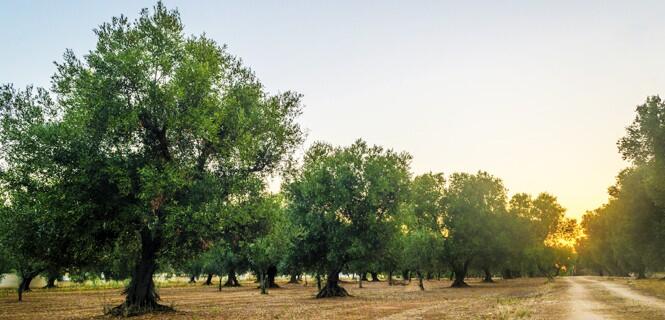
(294, 278)
(375, 277)
(488, 275)
(263, 280)
(420, 281)
(318, 282)
(390, 278)
(24, 285)
(460, 273)
(50, 282)
(140, 295)
(232, 280)
(272, 273)
(332, 287)
(208, 280)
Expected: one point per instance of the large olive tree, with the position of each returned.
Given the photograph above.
(160, 130)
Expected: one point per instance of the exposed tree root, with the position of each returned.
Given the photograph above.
(125, 310)
(459, 284)
(332, 291)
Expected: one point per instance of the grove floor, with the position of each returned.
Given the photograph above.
(535, 298)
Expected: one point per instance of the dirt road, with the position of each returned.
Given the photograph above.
(600, 298)
(582, 306)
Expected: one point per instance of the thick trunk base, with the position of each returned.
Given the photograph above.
(332, 288)
(294, 279)
(208, 281)
(232, 280)
(125, 310)
(459, 284)
(375, 277)
(330, 291)
(50, 283)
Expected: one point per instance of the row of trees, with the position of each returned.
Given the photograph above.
(360, 211)
(151, 153)
(626, 235)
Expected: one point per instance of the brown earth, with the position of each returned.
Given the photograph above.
(533, 298)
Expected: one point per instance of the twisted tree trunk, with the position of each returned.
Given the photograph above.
(488, 276)
(318, 282)
(232, 280)
(272, 273)
(141, 296)
(208, 281)
(50, 282)
(460, 273)
(24, 285)
(332, 288)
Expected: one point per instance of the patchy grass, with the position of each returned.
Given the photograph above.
(620, 307)
(511, 299)
(652, 287)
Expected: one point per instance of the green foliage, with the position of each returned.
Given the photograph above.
(144, 141)
(473, 202)
(345, 201)
(420, 251)
(626, 234)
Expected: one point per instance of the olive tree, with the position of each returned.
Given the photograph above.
(340, 198)
(472, 203)
(161, 130)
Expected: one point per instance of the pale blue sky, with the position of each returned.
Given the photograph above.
(534, 93)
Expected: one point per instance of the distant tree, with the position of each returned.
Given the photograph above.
(472, 201)
(268, 250)
(340, 198)
(217, 261)
(423, 230)
(45, 220)
(160, 129)
(420, 252)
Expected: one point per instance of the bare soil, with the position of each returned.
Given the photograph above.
(511, 299)
(533, 298)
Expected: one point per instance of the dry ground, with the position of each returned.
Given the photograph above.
(616, 298)
(509, 299)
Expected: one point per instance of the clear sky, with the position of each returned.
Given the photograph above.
(535, 93)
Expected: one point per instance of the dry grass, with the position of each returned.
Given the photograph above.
(652, 287)
(622, 308)
(513, 299)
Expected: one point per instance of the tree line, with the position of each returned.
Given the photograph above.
(150, 154)
(626, 235)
